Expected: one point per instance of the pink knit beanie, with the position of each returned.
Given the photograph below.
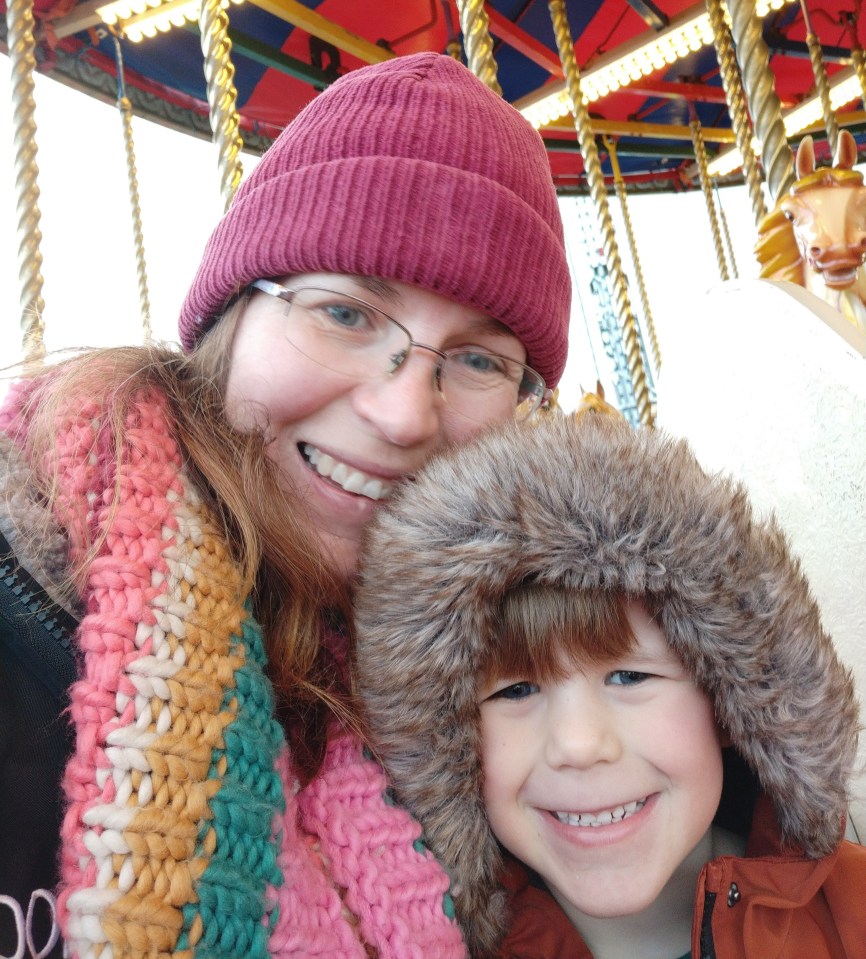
(409, 170)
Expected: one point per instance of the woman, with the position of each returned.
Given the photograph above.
(389, 280)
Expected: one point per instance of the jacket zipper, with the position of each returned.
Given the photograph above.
(708, 948)
(40, 631)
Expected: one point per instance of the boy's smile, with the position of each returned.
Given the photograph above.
(605, 782)
(602, 817)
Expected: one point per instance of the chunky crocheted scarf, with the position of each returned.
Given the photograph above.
(185, 832)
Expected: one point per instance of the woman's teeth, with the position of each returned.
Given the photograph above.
(617, 814)
(350, 479)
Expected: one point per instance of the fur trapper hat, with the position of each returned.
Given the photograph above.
(588, 503)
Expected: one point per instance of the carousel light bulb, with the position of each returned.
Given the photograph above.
(844, 93)
(725, 163)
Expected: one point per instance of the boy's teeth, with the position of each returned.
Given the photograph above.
(351, 480)
(617, 814)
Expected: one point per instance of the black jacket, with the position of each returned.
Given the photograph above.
(36, 668)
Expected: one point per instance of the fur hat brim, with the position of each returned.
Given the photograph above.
(590, 503)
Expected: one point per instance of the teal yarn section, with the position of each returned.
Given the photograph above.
(232, 892)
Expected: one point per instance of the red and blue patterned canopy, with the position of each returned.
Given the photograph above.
(280, 66)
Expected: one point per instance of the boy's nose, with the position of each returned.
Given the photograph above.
(405, 407)
(581, 733)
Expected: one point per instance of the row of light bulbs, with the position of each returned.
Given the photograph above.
(844, 89)
(668, 46)
(140, 19)
(146, 18)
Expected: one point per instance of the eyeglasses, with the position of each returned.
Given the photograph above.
(350, 336)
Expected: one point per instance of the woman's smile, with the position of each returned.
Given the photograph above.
(346, 477)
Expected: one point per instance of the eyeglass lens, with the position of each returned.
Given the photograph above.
(352, 337)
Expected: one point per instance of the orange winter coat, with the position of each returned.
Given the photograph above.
(771, 904)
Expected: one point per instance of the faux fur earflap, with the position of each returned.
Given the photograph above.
(582, 503)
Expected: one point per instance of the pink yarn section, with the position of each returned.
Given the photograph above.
(310, 919)
(341, 836)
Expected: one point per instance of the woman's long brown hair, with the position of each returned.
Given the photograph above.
(295, 595)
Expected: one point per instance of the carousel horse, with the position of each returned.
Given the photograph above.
(596, 403)
(816, 236)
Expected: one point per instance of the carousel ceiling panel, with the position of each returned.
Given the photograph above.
(285, 51)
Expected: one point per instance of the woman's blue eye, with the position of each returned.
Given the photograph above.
(516, 691)
(480, 363)
(626, 677)
(346, 316)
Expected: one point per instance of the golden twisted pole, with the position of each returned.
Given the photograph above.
(22, 46)
(822, 84)
(221, 95)
(125, 108)
(858, 58)
(629, 232)
(475, 25)
(706, 186)
(595, 179)
(753, 57)
(733, 86)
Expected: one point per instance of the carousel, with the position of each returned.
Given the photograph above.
(765, 377)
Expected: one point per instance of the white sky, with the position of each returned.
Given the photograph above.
(90, 284)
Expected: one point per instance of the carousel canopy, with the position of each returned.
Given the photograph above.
(648, 67)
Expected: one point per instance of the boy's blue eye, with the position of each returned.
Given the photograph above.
(626, 677)
(516, 691)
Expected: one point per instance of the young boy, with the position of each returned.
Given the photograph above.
(603, 688)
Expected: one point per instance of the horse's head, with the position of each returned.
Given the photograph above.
(827, 210)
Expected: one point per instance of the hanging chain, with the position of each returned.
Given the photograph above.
(608, 322)
(725, 233)
(632, 245)
(703, 174)
(125, 108)
(22, 47)
(221, 95)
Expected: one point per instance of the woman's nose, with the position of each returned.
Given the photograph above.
(404, 406)
(581, 731)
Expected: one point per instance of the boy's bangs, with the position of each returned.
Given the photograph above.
(543, 632)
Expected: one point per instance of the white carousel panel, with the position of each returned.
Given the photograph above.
(768, 383)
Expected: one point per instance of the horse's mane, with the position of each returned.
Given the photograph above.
(776, 248)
